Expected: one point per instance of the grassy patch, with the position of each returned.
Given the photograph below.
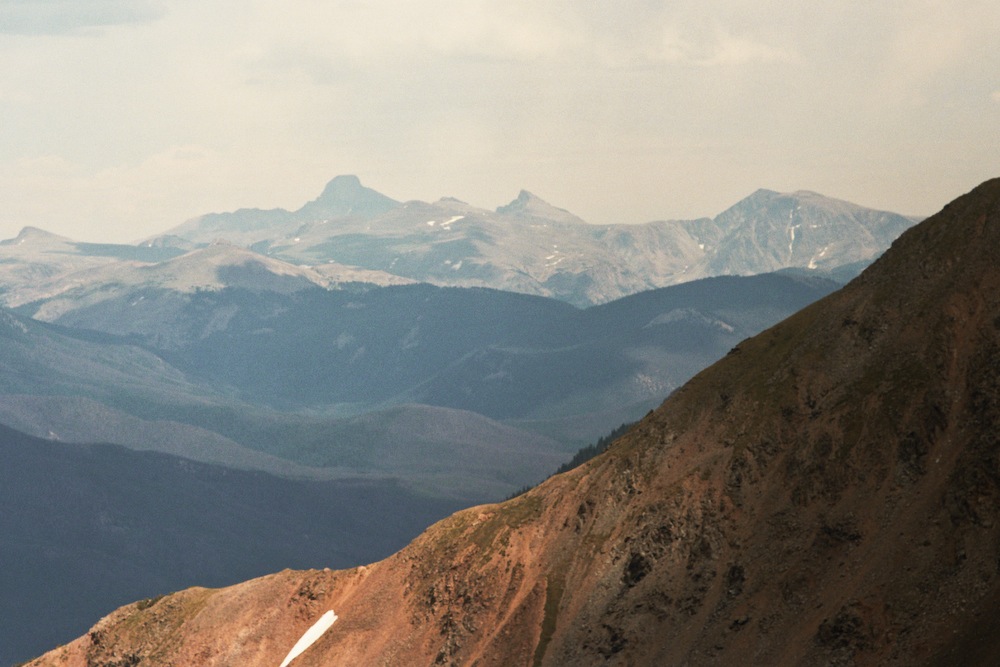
(513, 514)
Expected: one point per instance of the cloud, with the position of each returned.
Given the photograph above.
(682, 42)
(54, 17)
(727, 49)
(266, 103)
(929, 45)
(119, 203)
(390, 31)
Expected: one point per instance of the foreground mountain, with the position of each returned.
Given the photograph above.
(826, 494)
(97, 526)
(532, 247)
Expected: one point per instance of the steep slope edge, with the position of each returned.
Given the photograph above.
(826, 494)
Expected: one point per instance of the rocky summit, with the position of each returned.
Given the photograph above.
(825, 494)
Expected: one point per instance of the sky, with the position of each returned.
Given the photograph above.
(120, 119)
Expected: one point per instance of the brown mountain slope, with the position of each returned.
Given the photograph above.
(827, 494)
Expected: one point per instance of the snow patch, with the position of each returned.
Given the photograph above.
(821, 253)
(791, 239)
(318, 629)
(446, 225)
(689, 315)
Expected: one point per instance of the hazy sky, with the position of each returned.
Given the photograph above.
(123, 118)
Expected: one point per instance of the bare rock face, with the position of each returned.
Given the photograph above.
(826, 494)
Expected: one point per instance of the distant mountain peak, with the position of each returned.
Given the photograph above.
(532, 206)
(346, 196)
(812, 197)
(345, 186)
(524, 200)
(34, 234)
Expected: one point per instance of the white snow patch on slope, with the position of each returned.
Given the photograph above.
(310, 637)
(446, 225)
(812, 262)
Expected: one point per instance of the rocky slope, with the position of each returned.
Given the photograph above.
(826, 494)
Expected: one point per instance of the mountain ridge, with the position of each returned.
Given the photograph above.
(451, 243)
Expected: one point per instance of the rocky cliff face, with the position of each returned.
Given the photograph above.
(826, 494)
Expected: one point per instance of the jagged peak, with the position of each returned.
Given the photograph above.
(523, 200)
(530, 205)
(346, 196)
(341, 187)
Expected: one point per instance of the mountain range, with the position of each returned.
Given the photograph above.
(352, 234)
(434, 355)
(436, 398)
(253, 326)
(239, 377)
(533, 247)
(826, 494)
